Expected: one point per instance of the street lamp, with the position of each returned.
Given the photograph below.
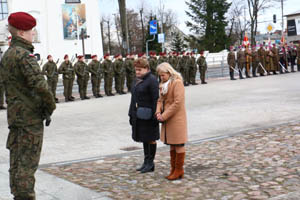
(83, 36)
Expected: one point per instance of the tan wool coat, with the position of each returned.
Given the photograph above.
(172, 107)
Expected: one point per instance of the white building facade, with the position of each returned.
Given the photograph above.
(59, 25)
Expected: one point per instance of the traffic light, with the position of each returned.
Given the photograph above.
(274, 19)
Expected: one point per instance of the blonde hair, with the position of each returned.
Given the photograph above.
(167, 68)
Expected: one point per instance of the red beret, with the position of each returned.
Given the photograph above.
(22, 21)
(187, 53)
(201, 52)
(161, 53)
(94, 56)
(49, 56)
(66, 56)
(79, 57)
(106, 55)
(140, 54)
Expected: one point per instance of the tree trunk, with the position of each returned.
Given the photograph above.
(123, 20)
(109, 41)
(102, 35)
(143, 28)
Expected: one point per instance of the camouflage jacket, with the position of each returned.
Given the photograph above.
(50, 70)
(81, 70)
(255, 57)
(119, 68)
(67, 70)
(231, 59)
(241, 57)
(95, 68)
(27, 94)
(153, 64)
(108, 67)
(192, 63)
(130, 71)
(202, 63)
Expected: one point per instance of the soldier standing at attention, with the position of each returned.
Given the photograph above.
(202, 67)
(50, 70)
(192, 69)
(298, 57)
(67, 70)
(275, 57)
(108, 75)
(81, 70)
(241, 60)
(2, 107)
(153, 63)
(248, 55)
(231, 61)
(130, 71)
(262, 60)
(30, 102)
(255, 60)
(118, 70)
(96, 71)
(293, 55)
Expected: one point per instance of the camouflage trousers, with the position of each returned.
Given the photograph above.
(82, 86)
(192, 76)
(118, 80)
(123, 77)
(129, 81)
(1, 95)
(24, 144)
(52, 83)
(108, 84)
(68, 87)
(96, 82)
(202, 71)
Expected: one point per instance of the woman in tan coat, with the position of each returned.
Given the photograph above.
(171, 112)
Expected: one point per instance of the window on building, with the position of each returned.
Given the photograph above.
(72, 1)
(3, 9)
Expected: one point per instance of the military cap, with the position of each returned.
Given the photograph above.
(106, 55)
(80, 56)
(117, 55)
(201, 52)
(49, 56)
(66, 56)
(22, 21)
(93, 56)
(140, 55)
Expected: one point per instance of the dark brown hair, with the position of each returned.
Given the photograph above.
(141, 63)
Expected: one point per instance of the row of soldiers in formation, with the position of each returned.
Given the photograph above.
(264, 61)
(119, 70)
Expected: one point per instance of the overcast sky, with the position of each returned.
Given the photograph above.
(108, 7)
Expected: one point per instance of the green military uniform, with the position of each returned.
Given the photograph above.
(83, 76)
(68, 72)
(130, 72)
(50, 70)
(262, 61)
(182, 68)
(119, 70)
(108, 76)
(29, 103)
(248, 57)
(298, 57)
(153, 62)
(269, 61)
(241, 60)
(275, 57)
(255, 61)
(202, 68)
(231, 61)
(96, 70)
(192, 70)
(1, 94)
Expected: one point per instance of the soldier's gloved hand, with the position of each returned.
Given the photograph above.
(48, 121)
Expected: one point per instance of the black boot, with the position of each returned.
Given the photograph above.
(146, 156)
(298, 67)
(247, 75)
(150, 161)
(240, 74)
(254, 73)
(232, 76)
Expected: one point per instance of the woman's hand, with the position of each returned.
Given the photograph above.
(159, 117)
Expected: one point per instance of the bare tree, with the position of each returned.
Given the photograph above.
(123, 19)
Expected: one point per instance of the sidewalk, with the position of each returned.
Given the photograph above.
(262, 164)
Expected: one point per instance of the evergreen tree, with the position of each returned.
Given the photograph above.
(208, 21)
(177, 43)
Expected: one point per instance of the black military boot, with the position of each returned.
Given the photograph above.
(232, 76)
(298, 67)
(150, 167)
(2, 107)
(247, 75)
(254, 73)
(146, 156)
(240, 74)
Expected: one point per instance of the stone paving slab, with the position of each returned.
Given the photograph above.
(258, 164)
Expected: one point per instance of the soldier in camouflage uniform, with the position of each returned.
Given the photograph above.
(262, 60)
(202, 67)
(192, 69)
(30, 102)
(276, 66)
(130, 71)
(83, 76)
(96, 70)
(182, 67)
(108, 75)
(153, 62)
(50, 70)
(2, 107)
(298, 57)
(67, 70)
(231, 61)
(248, 59)
(255, 60)
(241, 60)
(173, 60)
(293, 56)
(119, 69)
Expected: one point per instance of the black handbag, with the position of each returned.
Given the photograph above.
(144, 113)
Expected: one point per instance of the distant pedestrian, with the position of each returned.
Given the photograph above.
(145, 127)
(172, 113)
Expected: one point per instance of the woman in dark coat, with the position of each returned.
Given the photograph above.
(145, 127)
